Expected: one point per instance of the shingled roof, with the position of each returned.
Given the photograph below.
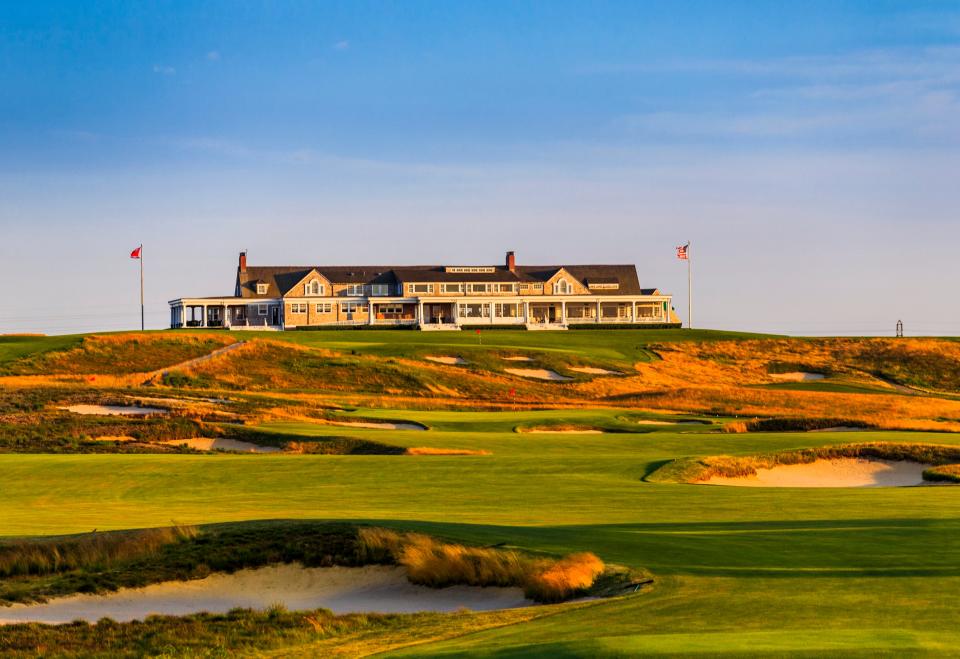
(280, 279)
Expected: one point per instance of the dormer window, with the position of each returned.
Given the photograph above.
(314, 288)
(562, 287)
(261, 288)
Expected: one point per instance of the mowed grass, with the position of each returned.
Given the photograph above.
(739, 570)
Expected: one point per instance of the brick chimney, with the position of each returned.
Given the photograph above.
(511, 262)
(243, 261)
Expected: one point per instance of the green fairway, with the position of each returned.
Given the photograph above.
(739, 570)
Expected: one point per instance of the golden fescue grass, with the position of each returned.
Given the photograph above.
(46, 557)
(434, 450)
(943, 473)
(735, 427)
(433, 563)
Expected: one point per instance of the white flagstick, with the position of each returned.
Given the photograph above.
(689, 289)
(142, 324)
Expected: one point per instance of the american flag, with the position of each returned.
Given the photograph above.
(682, 252)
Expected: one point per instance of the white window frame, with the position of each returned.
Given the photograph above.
(354, 289)
(324, 307)
(379, 290)
(567, 287)
(456, 288)
(314, 288)
(262, 289)
(261, 310)
(427, 288)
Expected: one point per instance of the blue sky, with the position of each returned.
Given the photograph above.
(809, 150)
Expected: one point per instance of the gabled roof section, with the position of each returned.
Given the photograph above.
(281, 279)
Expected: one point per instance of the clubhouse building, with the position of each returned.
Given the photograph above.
(431, 297)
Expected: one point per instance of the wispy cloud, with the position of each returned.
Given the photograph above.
(343, 44)
(164, 70)
(213, 55)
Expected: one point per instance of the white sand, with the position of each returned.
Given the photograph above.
(519, 358)
(379, 589)
(377, 426)
(538, 373)
(842, 472)
(220, 444)
(593, 370)
(114, 410)
(441, 359)
(652, 422)
(797, 376)
(562, 432)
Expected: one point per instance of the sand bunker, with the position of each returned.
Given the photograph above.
(440, 359)
(432, 450)
(519, 358)
(548, 431)
(380, 589)
(114, 410)
(220, 444)
(593, 370)
(797, 376)
(538, 373)
(378, 425)
(842, 472)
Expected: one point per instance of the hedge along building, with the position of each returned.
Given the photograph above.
(429, 297)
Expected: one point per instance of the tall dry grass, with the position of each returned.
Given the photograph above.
(433, 563)
(51, 556)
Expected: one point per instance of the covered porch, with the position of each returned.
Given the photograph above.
(223, 313)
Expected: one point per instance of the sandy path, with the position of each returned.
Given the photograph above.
(519, 359)
(843, 472)
(538, 373)
(380, 589)
(593, 370)
(442, 359)
(114, 410)
(221, 444)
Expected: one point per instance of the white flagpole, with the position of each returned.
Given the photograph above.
(689, 289)
(142, 324)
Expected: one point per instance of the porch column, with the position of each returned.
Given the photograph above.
(204, 324)
(493, 308)
(633, 311)
(369, 312)
(526, 311)
(226, 317)
(420, 312)
(598, 311)
(563, 311)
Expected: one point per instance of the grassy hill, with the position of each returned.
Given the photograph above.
(738, 571)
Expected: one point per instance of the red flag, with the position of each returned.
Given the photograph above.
(135, 254)
(682, 252)
(478, 330)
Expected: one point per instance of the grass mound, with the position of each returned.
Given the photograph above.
(51, 556)
(430, 562)
(943, 474)
(694, 470)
